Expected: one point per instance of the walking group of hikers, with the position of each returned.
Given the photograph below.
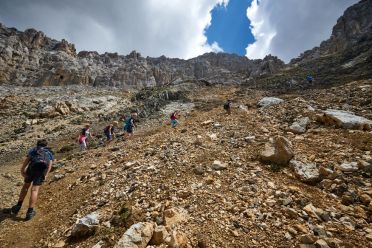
(38, 162)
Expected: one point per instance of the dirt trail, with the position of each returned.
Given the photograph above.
(237, 207)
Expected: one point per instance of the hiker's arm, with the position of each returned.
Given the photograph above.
(24, 166)
(49, 168)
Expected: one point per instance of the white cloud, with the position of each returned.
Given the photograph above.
(287, 28)
(174, 28)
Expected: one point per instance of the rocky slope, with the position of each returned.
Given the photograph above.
(213, 182)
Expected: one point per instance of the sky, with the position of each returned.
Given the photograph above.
(181, 28)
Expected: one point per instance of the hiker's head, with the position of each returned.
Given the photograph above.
(87, 125)
(228, 100)
(115, 123)
(42, 143)
(134, 114)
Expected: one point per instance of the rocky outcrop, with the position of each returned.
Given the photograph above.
(352, 28)
(344, 119)
(30, 58)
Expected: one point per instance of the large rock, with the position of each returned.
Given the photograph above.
(307, 173)
(300, 126)
(269, 101)
(160, 236)
(137, 236)
(344, 119)
(348, 167)
(85, 226)
(278, 151)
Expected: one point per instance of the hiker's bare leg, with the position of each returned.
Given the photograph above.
(33, 197)
(24, 191)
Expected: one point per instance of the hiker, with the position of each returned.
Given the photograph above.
(227, 106)
(35, 169)
(309, 79)
(174, 117)
(85, 134)
(110, 131)
(129, 124)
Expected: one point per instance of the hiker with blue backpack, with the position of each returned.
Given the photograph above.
(129, 123)
(35, 169)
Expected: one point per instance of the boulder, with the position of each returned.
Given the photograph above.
(278, 151)
(344, 119)
(348, 167)
(306, 172)
(85, 226)
(269, 101)
(137, 236)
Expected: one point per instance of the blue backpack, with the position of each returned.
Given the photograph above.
(40, 158)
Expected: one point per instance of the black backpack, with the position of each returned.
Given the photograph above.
(40, 158)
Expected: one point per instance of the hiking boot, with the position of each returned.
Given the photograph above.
(30, 214)
(15, 209)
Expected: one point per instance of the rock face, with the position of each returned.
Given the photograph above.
(279, 151)
(137, 236)
(344, 119)
(351, 29)
(31, 58)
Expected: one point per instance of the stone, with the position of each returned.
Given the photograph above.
(369, 237)
(269, 101)
(324, 172)
(218, 165)
(307, 239)
(319, 231)
(321, 243)
(199, 170)
(178, 240)
(137, 236)
(307, 173)
(344, 119)
(299, 126)
(85, 226)
(348, 167)
(57, 177)
(100, 244)
(279, 151)
(313, 211)
(160, 236)
(173, 216)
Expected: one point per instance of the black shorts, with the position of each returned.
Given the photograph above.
(129, 130)
(35, 177)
